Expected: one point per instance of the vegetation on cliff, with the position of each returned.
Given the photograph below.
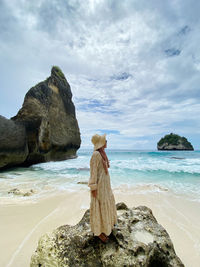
(58, 72)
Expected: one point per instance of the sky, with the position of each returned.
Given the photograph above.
(133, 66)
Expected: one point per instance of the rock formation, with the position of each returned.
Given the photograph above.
(48, 124)
(136, 240)
(13, 143)
(19, 192)
(174, 142)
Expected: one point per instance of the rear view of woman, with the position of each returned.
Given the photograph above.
(103, 214)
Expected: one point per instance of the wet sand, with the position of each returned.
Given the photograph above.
(22, 223)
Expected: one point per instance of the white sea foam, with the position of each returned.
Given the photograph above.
(152, 164)
(146, 171)
(144, 163)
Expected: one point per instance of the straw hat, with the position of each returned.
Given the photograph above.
(98, 141)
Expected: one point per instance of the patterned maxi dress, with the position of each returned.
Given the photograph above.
(103, 214)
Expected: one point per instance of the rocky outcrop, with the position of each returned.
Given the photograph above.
(48, 124)
(136, 240)
(19, 192)
(174, 142)
(13, 143)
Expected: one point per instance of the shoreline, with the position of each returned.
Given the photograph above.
(22, 224)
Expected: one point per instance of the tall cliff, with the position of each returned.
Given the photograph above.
(49, 120)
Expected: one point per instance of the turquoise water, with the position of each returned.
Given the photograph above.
(160, 171)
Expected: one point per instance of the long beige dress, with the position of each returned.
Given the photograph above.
(103, 214)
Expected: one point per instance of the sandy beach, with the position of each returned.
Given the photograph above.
(22, 223)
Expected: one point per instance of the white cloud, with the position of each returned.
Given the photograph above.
(133, 66)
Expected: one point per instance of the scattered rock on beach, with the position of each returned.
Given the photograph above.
(121, 206)
(18, 192)
(136, 240)
(82, 182)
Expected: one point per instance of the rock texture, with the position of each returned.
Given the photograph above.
(174, 142)
(13, 143)
(137, 241)
(19, 192)
(48, 124)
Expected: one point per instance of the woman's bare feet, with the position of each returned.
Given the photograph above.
(103, 237)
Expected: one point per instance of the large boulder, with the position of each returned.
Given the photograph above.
(174, 142)
(136, 240)
(13, 144)
(45, 128)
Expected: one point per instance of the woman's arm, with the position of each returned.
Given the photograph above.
(94, 162)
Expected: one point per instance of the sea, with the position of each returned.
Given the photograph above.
(136, 171)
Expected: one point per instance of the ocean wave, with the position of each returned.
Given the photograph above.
(171, 165)
(186, 165)
(147, 171)
(169, 161)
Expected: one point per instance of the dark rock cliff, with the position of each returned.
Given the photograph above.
(49, 121)
(13, 143)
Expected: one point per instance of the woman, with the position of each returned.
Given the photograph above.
(103, 214)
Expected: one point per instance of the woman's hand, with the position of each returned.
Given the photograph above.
(94, 193)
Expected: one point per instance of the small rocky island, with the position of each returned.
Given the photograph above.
(44, 129)
(174, 142)
(136, 240)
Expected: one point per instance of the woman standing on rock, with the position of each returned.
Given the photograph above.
(103, 214)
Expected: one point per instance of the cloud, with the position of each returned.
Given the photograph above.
(133, 66)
